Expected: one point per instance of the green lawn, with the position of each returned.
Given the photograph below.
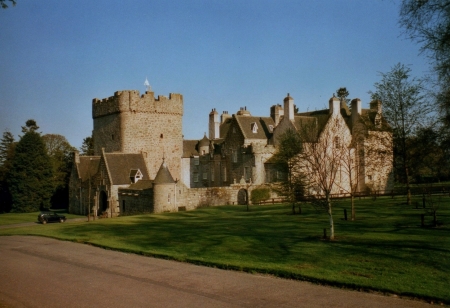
(17, 218)
(385, 249)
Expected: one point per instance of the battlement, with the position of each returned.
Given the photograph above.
(132, 101)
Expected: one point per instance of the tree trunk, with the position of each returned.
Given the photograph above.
(352, 198)
(330, 214)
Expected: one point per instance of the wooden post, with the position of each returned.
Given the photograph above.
(345, 214)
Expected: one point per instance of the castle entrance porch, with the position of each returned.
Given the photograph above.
(242, 197)
(103, 203)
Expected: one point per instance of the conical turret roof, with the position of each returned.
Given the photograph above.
(204, 142)
(163, 176)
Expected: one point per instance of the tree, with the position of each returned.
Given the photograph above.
(30, 126)
(286, 159)
(351, 167)
(342, 94)
(60, 153)
(6, 156)
(405, 109)
(428, 23)
(87, 148)
(30, 179)
(4, 5)
(321, 159)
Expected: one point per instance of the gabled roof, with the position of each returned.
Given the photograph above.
(120, 165)
(190, 148)
(88, 166)
(163, 176)
(246, 125)
(225, 127)
(368, 118)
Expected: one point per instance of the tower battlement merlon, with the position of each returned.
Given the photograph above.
(132, 101)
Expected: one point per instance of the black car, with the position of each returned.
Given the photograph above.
(45, 217)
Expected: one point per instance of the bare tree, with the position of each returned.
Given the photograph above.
(351, 167)
(321, 159)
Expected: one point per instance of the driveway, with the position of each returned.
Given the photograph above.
(42, 272)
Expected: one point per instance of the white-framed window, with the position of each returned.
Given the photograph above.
(254, 127)
(196, 160)
(196, 177)
(271, 128)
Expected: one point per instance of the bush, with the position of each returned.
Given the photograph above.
(259, 194)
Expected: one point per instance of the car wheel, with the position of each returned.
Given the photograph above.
(61, 220)
(44, 221)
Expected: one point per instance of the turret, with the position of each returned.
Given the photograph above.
(164, 191)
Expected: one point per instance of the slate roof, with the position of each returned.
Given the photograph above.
(139, 185)
(119, 167)
(263, 132)
(163, 176)
(88, 166)
(225, 127)
(190, 148)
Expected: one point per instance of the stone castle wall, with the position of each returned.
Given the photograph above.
(130, 123)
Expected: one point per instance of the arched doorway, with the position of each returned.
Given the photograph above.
(103, 203)
(242, 197)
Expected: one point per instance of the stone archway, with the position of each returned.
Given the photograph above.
(103, 203)
(242, 197)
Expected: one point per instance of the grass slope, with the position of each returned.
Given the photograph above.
(385, 249)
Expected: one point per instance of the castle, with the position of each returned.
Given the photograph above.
(142, 164)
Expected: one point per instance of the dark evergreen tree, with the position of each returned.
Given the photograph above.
(6, 157)
(30, 179)
(342, 94)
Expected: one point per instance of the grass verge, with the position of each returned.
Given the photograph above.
(385, 250)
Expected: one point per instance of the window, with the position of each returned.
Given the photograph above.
(234, 156)
(205, 175)
(337, 142)
(196, 160)
(196, 177)
(247, 173)
(212, 174)
(254, 127)
(369, 177)
(224, 173)
(271, 128)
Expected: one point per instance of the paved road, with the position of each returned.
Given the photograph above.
(42, 272)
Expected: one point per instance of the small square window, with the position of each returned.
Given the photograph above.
(196, 160)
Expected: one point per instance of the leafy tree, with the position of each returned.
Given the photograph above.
(260, 194)
(405, 108)
(30, 179)
(60, 152)
(6, 156)
(342, 94)
(428, 23)
(4, 5)
(87, 148)
(30, 126)
(286, 159)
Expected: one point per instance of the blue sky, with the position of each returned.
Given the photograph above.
(57, 55)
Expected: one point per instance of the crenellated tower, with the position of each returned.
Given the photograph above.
(130, 123)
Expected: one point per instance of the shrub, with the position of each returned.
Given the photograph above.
(259, 194)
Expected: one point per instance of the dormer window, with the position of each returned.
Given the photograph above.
(254, 127)
(135, 175)
(271, 128)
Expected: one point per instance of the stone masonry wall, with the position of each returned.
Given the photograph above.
(130, 123)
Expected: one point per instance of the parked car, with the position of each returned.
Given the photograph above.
(45, 217)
